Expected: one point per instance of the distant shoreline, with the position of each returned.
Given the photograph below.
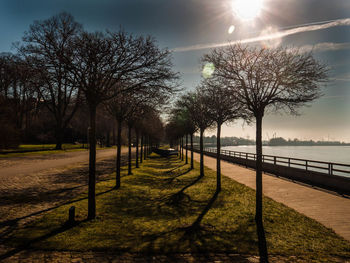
(288, 145)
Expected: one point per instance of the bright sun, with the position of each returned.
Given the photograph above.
(247, 9)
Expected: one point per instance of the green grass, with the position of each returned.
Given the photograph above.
(153, 210)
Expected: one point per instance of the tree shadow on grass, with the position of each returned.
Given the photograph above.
(205, 238)
(167, 162)
(179, 196)
(12, 225)
(196, 225)
(171, 179)
(29, 243)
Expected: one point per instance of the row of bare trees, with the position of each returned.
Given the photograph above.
(248, 82)
(128, 76)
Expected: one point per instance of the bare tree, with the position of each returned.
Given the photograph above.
(180, 123)
(223, 108)
(18, 95)
(264, 79)
(195, 103)
(107, 64)
(119, 108)
(48, 49)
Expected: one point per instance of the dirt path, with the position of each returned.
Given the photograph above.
(36, 163)
(330, 210)
(31, 186)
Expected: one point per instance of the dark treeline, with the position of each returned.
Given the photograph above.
(225, 141)
(60, 76)
(279, 141)
(65, 84)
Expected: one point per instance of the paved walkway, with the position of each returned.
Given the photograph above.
(11, 166)
(330, 210)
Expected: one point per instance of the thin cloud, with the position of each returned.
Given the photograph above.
(325, 46)
(279, 34)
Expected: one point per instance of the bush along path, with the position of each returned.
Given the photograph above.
(165, 212)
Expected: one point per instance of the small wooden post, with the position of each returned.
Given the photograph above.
(71, 218)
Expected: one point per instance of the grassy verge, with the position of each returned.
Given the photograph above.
(153, 210)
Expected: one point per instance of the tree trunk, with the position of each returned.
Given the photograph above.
(141, 149)
(92, 164)
(218, 159)
(119, 147)
(201, 153)
(180, 144)
(191, 151)
(108, 143)
(59, 137)
(145, 149)
(186, 149)
(129, 159)
(137, 149)
(182, 148)
(113, 135)
(259, 206)
(149, 145)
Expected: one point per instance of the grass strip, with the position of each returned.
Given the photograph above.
(155, 207)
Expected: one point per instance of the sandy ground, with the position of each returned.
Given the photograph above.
(329, 209)
(31, 186)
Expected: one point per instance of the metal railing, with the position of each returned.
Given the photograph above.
(338, 169)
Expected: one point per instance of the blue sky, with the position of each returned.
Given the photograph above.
(185, 24)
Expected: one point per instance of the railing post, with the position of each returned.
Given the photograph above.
(330, 169)
(246, 156)
(274, 160)
(288, 162)
(306, 164)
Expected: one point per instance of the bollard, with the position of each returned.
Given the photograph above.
(71, 218)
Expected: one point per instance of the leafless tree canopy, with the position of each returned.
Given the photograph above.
(259, 78)
(198, 110)
(47, 47)
(222, 104)
(109, 63)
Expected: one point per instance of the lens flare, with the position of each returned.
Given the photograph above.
(247, 9)
(208, 70)
(231, 29)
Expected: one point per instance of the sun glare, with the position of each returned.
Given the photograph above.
(208, 70)
(247, 9)
(231, 29)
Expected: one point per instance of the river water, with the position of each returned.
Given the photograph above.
(329, 154)
(334, 154)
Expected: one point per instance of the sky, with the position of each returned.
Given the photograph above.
(191, 27)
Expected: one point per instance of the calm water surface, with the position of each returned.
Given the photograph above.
(335, 154)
